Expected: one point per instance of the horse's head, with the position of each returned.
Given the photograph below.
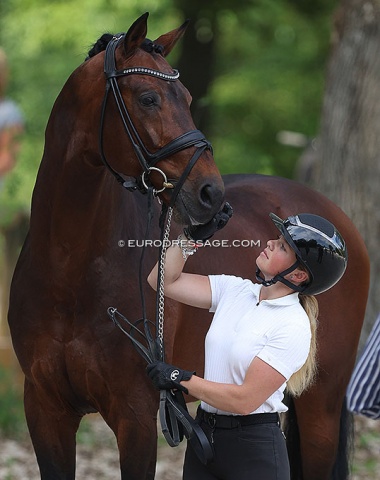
(147, 131)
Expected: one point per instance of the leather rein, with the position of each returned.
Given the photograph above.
(175, 420)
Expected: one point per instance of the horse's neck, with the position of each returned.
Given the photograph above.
(79, 214)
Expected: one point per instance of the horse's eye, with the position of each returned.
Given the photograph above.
(149, 99)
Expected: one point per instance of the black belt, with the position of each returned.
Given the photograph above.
(214, 420)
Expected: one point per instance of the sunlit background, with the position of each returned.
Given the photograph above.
(256, 70)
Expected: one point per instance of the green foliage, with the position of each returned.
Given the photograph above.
(270, 65)
(12, 419)
(45, 41)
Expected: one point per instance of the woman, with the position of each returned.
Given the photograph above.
(261, 340)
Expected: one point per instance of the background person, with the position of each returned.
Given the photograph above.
(11, 122)
(262, 338)
(363, 392)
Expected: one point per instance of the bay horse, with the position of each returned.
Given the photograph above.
(77, 261)
(122, 117)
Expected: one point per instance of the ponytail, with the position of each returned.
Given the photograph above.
(305, 376)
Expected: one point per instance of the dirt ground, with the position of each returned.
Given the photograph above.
(97, 455)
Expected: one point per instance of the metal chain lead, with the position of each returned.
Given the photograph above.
(161, 290)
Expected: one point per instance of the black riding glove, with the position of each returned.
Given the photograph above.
(167, 377)
(203, 232)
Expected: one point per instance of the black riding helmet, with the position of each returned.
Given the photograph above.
(319, 248)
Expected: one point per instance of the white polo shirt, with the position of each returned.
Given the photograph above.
(277, 331)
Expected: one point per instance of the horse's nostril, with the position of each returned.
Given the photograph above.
(206, 195)
(210, 195)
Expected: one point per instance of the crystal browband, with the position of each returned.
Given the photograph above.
(171, 77)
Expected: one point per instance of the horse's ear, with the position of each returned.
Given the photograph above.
(136, 34)
(168, 40)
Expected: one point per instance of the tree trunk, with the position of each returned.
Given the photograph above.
(347, 167)
(197, 61)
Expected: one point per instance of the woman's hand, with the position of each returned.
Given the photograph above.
(167, 377)
(203, 232)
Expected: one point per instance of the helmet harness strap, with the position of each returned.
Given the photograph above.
(280, 277)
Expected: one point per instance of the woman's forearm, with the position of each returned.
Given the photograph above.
(226, 397)
(187, 288)
(260, 382)
(174, 263)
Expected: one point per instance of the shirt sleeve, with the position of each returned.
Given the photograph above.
(363, 392)
(288, 347)
(219, 285)
(10, 115)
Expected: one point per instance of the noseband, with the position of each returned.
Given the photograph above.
(147, 160)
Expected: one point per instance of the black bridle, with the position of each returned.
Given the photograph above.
(147, 160)
(174, 417)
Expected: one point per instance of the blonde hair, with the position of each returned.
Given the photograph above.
(306, 375)
(3, 72)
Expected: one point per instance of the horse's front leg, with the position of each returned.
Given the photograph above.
(52, 434)
(138, 451)
(135, 428)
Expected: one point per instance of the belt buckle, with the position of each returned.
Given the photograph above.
(211, 420)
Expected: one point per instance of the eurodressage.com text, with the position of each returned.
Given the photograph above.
(245, 243)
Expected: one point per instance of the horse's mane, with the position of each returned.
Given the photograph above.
(100, 45)
(103, 41)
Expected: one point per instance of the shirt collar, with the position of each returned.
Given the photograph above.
(290, 299)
